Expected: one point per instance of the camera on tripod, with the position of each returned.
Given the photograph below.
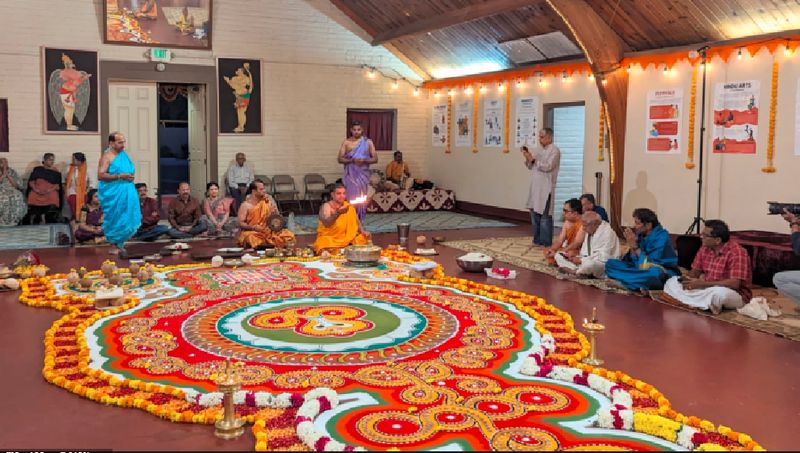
(776, 208)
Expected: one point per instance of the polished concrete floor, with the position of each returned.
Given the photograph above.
(728, 374)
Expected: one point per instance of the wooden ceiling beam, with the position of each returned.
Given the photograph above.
(452, 17)
(342, 6)
(604, 50)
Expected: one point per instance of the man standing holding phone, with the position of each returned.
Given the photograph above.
(543, 163)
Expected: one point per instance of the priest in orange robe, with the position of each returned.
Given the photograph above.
(253, 214)
(338, 223)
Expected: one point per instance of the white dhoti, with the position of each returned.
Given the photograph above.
(714, 298)
(588, 266)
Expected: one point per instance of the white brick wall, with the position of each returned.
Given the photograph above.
(310, 80)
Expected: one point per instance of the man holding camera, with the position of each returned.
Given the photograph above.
(721, 274)
(788, 282)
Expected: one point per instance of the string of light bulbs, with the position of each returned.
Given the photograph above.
(373, 72)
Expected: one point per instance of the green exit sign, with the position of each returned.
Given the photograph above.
(159, 54)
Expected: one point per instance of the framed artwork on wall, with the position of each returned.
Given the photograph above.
(158, 23)
(71, 102)
(239, 96)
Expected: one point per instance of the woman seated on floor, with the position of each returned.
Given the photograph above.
(11, 198)
(90, 220)
(217, 212)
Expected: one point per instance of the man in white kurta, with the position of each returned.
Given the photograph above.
(543, 163)
(600, 245)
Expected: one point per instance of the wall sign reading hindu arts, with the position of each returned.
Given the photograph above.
(184, 23)
(439, 125)
(736, 117)
(239, 95)
(464, 123)
(70, 87)
(527, 121)
(664, 121)
(493, 123)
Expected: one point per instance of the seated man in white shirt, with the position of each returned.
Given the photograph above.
(601, 243)
(238, 177)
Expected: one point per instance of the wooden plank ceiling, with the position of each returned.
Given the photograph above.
(438, 34)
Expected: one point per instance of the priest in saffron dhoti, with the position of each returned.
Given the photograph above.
(253, 214)
(117, 194)
(357, 153)
(339, 225)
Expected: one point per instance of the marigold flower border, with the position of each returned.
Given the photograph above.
(555, 326)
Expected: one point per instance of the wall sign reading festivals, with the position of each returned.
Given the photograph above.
(493, 122)
(664, 108)
(464, 122)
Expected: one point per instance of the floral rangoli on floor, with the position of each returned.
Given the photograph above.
(342, 359)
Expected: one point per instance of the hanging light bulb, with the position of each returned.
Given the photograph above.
(519, 83)
(739, 54)
(482, 89)
(395, 85)
(468, 90)
(541, 82)
(451, 92)
(501, 87)
(591, 76)
(628, 69)
(666, 69)
(436, 93)
(564, 77)
(371, 73)
(416, 91)
(604, 81)
(786, 50)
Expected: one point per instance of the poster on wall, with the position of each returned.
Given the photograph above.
(797, 121)
(239, 96)
(664, 121)
(464, 123)
(174, 23)
(439, 125)
(493, 123)
(70, 87)
(527, 121)
(736, 117)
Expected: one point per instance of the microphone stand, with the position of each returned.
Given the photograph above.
(697, 219)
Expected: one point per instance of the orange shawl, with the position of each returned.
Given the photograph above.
(80, 189)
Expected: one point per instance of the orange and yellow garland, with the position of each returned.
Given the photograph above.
(475, 103)
(601, 135)
(447, 148)
(692, 109)
(773, 106)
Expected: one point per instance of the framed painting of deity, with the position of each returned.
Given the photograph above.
(158, 23)
(239, 96)
(71, 103)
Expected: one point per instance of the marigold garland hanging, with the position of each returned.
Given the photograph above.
(447, 148)
(601, 135)
(506, 122)
(773, 105)
(475, 103)
(692, 109)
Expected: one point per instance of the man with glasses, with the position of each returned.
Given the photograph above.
(650, 260)
(543, 163)
(721, 276)
(601, 243)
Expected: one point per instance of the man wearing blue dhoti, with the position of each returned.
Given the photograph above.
(650, 261)
(357, 153)
(117, 194)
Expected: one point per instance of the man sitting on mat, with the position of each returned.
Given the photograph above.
(338, 223)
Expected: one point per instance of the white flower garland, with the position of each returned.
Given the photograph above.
(307, 413)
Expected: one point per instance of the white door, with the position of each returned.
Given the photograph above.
(198, 170)
(133, 110)
(568, 131)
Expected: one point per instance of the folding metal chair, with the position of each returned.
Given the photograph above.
(284, 190)
(314, 189)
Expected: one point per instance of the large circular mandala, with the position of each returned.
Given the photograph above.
(329, 328)
(416, 366)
